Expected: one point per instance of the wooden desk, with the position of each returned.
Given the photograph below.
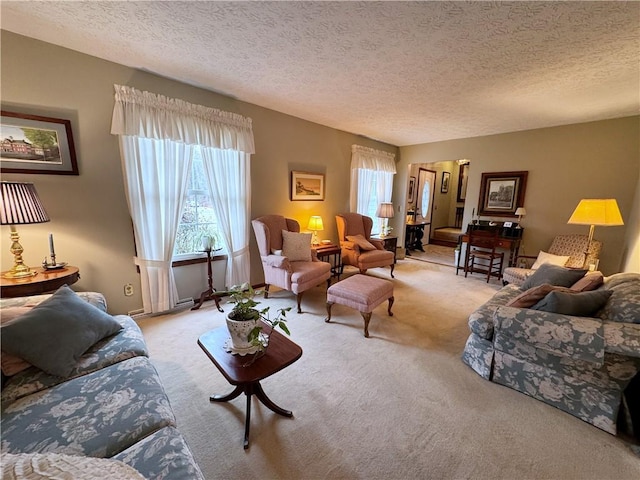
(504, 243)
(44, 281)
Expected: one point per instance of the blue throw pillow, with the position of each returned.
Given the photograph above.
(578, 304)
(553, 275)
(55, 333)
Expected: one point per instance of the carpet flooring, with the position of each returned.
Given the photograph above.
(398, 405)
(438, 254)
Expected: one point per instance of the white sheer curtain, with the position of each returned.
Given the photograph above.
(156, 138)
(155, 195)
(368, 164)
(229, 180)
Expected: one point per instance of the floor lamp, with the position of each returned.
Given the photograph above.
(602, 212)
(20, 206)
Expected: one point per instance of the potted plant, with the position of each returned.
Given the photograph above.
(246, 322)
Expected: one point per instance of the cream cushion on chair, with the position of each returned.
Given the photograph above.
(296, 246)
(544, 257)
(562, 245)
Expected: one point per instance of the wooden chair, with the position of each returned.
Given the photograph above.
(481, 251)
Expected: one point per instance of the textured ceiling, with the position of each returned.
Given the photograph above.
(400, 72)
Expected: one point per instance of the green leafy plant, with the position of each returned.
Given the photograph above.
(244, 309)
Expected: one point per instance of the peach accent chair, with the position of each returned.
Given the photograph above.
(295, 276)
(355, 224)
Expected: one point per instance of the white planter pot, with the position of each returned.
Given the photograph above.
(239, 332)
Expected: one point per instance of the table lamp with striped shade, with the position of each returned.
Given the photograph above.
(20, 205)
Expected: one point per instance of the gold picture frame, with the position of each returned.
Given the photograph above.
(307, 186)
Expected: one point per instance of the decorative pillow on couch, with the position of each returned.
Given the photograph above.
(530, 297)
(590, 281)
(10, 363)
(553, 275)
(362, 242)
(55, 333)
(296, 246)
(578, 304)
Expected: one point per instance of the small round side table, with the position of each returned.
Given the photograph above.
(44, 282)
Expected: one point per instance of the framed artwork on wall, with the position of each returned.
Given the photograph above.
(307, 186)
(463, 180)
(35, 144)
(501, 193)
(444, 187)
(412, 189)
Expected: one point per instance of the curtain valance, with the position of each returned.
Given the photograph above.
(149, 115)
(372, 159)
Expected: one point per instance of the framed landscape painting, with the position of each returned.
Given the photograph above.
(307, 186)
(35, 144)
(501, 193)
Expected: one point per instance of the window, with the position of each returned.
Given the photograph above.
(198, 218)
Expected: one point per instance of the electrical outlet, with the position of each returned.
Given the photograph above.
(128, 290)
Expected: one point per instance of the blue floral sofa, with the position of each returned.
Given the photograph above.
(580, 364)
(110, 408)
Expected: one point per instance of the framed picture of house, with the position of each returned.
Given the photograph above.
(35, 144)
(501, 193)
(307, 186)
(444, 186)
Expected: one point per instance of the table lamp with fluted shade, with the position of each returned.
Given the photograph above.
(385, 211)
(20, 206)
(603, 212)
(315, 225)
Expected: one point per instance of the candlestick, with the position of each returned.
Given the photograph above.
(51, 249)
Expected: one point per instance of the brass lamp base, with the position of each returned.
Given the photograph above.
(19, 271)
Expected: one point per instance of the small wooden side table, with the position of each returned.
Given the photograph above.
(244, 374)
(333, 255)
(210, 291)
(44, 281)
(389, 242)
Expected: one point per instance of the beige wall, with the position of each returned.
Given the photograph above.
(567, 163)
(89, 216)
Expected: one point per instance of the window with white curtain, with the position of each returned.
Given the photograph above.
(198, 217)
(372, 174)
(158, 139)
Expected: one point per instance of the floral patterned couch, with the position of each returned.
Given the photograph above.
(112, 406)
(580, 365)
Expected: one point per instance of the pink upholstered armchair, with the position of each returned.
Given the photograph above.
(358, 249)
(297, 273)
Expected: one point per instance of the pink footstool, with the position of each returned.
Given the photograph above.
(362, 292)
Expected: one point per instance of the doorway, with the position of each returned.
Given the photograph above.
(424, 204)
(437, 194)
